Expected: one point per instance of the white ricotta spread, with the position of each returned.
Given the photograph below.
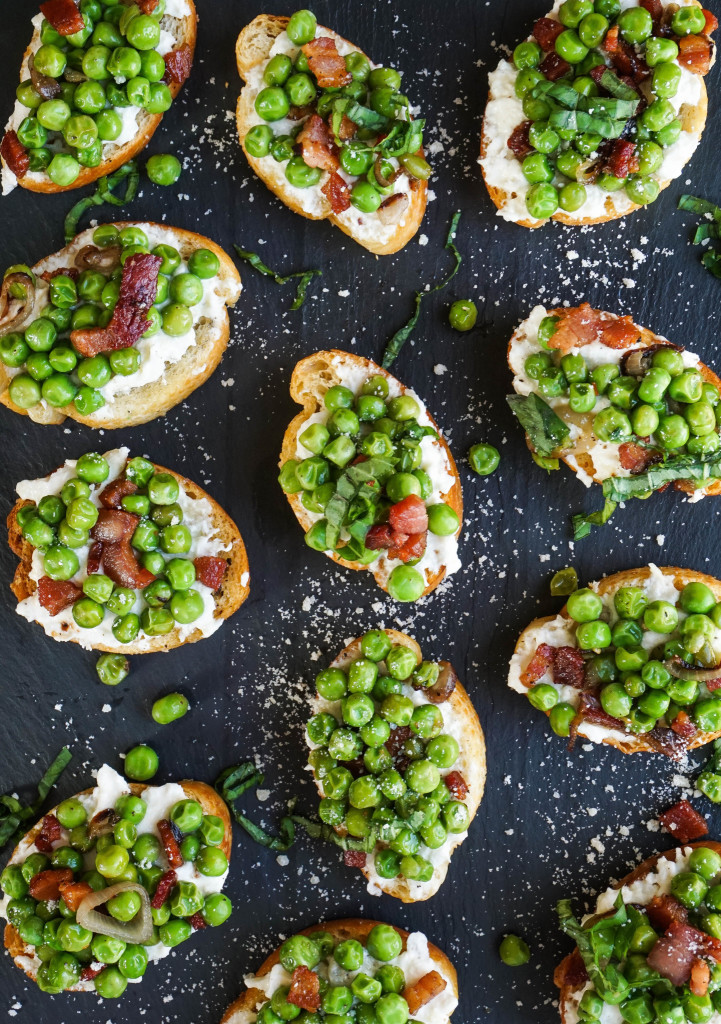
(197, 516)
(440, 551)
(502, 169)
(110, 786)
(642, 891)
(364, 226)
(414, 961)
(603, 454)
(560, 631)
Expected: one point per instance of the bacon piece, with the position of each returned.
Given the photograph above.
(636, 458)
(64, 16)
(713, 684)
(337, 192)
(700, 977)
(554, 67)
(129, 321)
(546, 31)
(581, 326)
(326, 64)
(305, 989)
(317, 145)
(397, 738)
(674, 953)
(122, 567)
(683, 726)
(46, 884)
(572, 972)
(413, 546)
(654, 8)
(379, 537)
(114, 525)
(348, 129)
(166, 883)
(147, 6)
(694, 53)
(519, 142)
(683, 822)
(668, 742)
(623, 159)
(177, 65)
(456, 785)
(170, 843)
(425, 989)
(662, 911)
(709, 946)
(95, 557)
(73, 893)
(197, 922)
(619, 332)
(14, 154)
(611, 40)
(210, 570)
(590, 710)
(89, 972)
(539, 664)
(112, 495)
(711, 22)
(569, 667)
(57, 594)
(298, 113)
(50, 832)
(409, 515)
(354, 858)
(72, 272)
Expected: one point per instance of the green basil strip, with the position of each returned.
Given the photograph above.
(579, 120)
(104, 194)
(363, 475)
(305, 275)
(592, 945)
(707, 230)
(318, 830)
(16, 819)
(564, 94)
(682, 467)
(402, 335)
(364, 117)
(52, 775)
(694, 204)
(613, 108)
(713, 764)
(231, 784)
(712, 262)
(546, 431)
(582, 523)
(613, 84)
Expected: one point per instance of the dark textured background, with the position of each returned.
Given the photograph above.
(551, 824)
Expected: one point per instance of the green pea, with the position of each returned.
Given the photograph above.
(615, 701)
(365, 197)
(642, 190)
(163, 168)
(688, 21)
(537, 168)
(141, 763)
(513, 951)
(561, 716)
(543, 696)
(405, 583)
(527, 55)
(484, 459)
(112, 669)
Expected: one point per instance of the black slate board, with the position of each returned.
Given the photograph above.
(552, 824)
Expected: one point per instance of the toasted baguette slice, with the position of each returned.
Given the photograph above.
(502, 172)
(231, 595)
(591, 460)
(471, 764)
(22, 954)
(252, 51)
(183, 30)
(178, 379)
(570, 975)
(244, 1009)
(311, 378)
(558, 631)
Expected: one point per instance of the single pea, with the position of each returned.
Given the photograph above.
(513, 951)
(661, 617)
(204, 263)
(688, 21)
(462, 315)
(561, 717)
(484, 459)
(272, 104)
(301, 27)
(141, 763)
(615, 701)
(689, 888)
(405, 583)
(384, 943)
(163, 169)
(543, 696)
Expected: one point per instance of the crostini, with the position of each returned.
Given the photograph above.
(119, 554)
(621, 406)
(350, 970)
(329, 132)
(399, 759)
(599, 109)
(369, 476)
(154, 858)
(651, 950)
(117, 327)
(634, 661)
(95, 82)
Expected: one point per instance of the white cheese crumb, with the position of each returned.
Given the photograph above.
(439, 369)
(106, 708)
(661, 539)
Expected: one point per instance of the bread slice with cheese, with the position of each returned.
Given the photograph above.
(244, 1010)
(253, 48)
(24, 955)
(178, 29)
(218, 533)
(174, 368)
(311, 379)
(504, 178)
(459, 720)
(559, 631)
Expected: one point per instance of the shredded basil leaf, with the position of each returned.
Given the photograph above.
(365, 475)
(694, 204)
(546, 431)
(231, 784)
(104, 194)
(305, 275)
(712, 262)
(319, 830)
(681, 467)
(707, 230)
(613, 84)
(609, 107)
(580, 121)
(582, 523)
(402, 335)
(550, 465)
(15, 818)
(593, 944)
(564, 94)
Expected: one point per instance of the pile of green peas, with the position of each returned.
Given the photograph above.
(127, 854)
(372, 996)
(116, 53)
(562, 157)
(291, 83)
(60, 524)
(635, 684)
(49, 369)
(373, 425)
(633, 991)
(669, 405)
(400, 803)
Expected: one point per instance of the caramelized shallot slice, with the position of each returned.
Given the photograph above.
(138, 930)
